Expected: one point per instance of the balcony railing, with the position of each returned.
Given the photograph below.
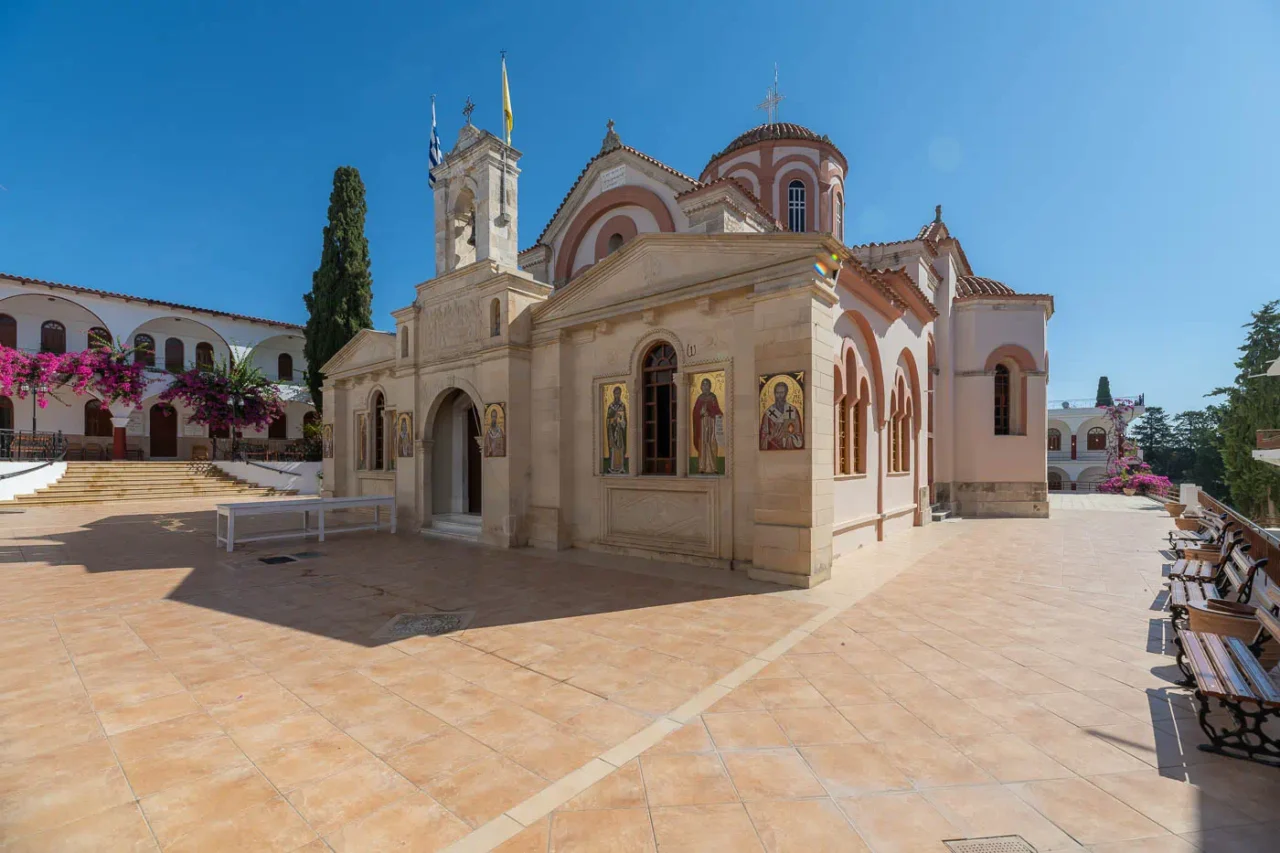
(26, 445)
(267, 450)
(1261, 542)
(1091, 402)
(1268, 439)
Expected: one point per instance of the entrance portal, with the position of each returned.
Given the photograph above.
(456, 478)
(164, 431)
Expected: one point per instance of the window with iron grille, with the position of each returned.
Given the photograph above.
(53, 337)
(659, 383)
(1001, 400)
(796, 205)
(144, 350)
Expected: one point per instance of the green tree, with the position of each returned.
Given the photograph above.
(1155, 436)
(1252, 403)
(1104, 393)
(341, 299)
(1196, 456)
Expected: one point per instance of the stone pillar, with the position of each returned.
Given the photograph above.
(794, 509)
(119, 444)
(551, 435)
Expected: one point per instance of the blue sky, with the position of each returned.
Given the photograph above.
(1120, 156)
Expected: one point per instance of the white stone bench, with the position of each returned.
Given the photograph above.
(226, 531)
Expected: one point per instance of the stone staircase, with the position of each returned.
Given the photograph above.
(101, 482)
(940, 512)
(454, 525)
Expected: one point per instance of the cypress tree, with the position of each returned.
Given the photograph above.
(1104, 392)
(341, 299)
(1253, 403)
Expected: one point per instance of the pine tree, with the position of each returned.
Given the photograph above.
(341, 299)
(1104, 393)
(1253, 403)
(1197, 456)
(1155, 436)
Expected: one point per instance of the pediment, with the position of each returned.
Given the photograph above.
(368, 347)
(656, 266)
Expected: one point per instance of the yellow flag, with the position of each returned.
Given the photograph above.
(508, 118)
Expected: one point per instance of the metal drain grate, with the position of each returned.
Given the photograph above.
(424, 624)
(993, 844)
(275, 561)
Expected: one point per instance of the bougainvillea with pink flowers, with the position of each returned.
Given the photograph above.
(1124, 469)
(107, 371)
(226, 396)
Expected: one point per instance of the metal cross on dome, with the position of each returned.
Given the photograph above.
(468, 108)
(772, 98)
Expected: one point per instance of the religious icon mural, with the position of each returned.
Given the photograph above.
(706, 429)
(614, 426)
(404, 435)
(362, 441)
(326, 441)
(782, 411)
(495, 429)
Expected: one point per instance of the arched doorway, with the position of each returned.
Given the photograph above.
(164, 431)
(456, 479)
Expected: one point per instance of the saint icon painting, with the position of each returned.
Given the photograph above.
(326, 441)
(706, 429)
(362, 441)
(495, 430)
(404, 435)
(614, 422)
(782, 411)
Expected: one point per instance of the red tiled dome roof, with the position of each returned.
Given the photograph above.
(778, 130)
(974, 285)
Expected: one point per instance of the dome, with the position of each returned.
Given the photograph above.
(974, 285)
(777, 130)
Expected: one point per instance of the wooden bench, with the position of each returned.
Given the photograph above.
(1230, 580)
(1209, 535)
(1228, 673)
(308, 507)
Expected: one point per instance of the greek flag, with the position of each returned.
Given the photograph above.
(434, 157)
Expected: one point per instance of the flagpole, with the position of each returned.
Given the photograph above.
(502, 201)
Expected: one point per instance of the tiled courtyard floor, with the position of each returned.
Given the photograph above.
(966, 679)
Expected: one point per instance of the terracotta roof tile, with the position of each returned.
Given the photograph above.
(777, 131)
(973, 285)
(179, 306)
(742, 187)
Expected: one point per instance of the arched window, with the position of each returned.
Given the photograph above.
(1096, 439)
(204, 355)
(8, 332)
(144, 350)
(279, 427)
(795, 205)
(1002, 406)
(659, 383)
(379, 446)
(895, 436)
(1055, 439)
(404, 341)
(1055, 481)
(615, 243)
(495, 318)
(99, 337)
(53, 337)
(175, 355)
(284, 367)
(858, 425)
(6, 413)
(838, 229)
(842, 425)
(97, 419)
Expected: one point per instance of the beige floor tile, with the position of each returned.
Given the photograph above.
(742, 698)
(46, 807)
(1085, 812)
(809, 726)
(180, 763)
(606, 831)
(118, 829)
(993, 810)
(1159, 844)
(1258, 838)
(931, 762)
(622, 789)
(1010, 758)
(745, 730)
(686, 780)
(812, 826)
(900, 823)
(691, 737)
(292, 766)
(269, 827)
(1175, 804)
(1081, 710)
(787, 693)
(1085, 755)
(55, 768)
(772, 775)
(176, 811)
(705, 829)
(413, 823)
(157, 710)
(552, 753)
(51, 737)
(884, 721)
(437, 755)
(607, 723)
(848, 770)
(395, 728)
(484, 789)
(532, 839)
(348, 795)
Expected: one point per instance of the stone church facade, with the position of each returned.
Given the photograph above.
(691, 369)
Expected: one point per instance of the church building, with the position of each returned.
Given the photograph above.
(692, 369)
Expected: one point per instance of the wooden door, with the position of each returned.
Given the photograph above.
(164, 431)
(473, 463)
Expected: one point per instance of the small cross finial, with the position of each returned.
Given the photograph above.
(937, 213)
(468, 108)
(609, 125)
(772, 98)
(611, 138)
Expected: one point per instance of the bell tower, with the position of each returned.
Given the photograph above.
(475, 201)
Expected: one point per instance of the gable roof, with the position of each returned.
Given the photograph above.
(365, 336)
(75, 288)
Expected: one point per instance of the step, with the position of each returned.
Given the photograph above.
(454, 526)
(89, 499)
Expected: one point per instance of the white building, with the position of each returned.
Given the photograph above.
(46, 316)
(1078, 436)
